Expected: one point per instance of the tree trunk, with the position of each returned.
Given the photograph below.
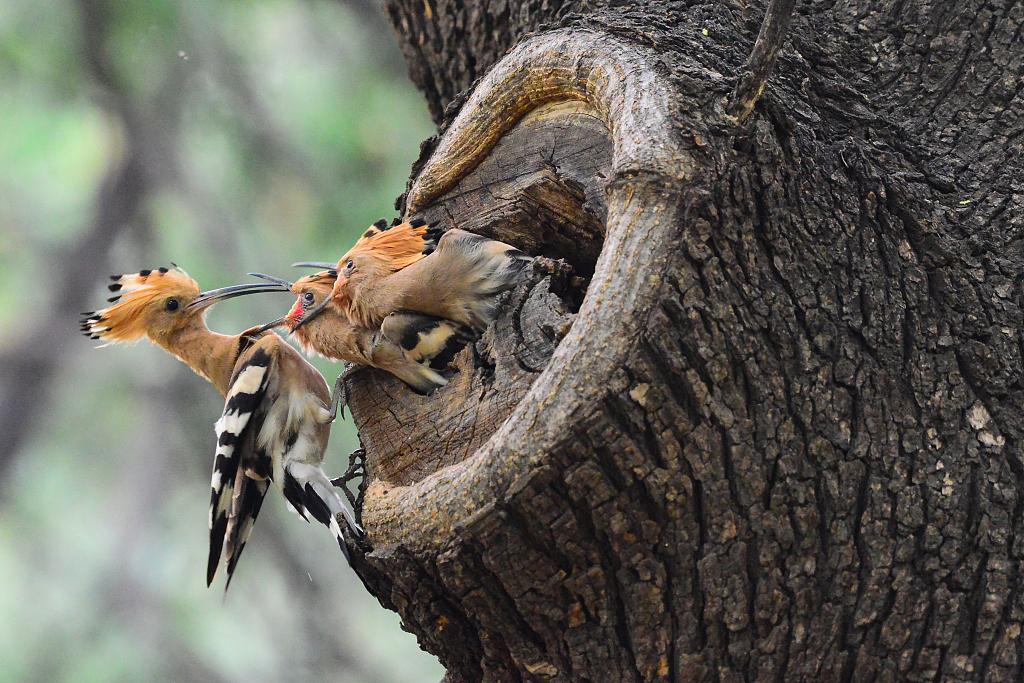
(780, 437)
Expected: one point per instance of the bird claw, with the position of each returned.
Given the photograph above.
(339, 398)
(356, 468)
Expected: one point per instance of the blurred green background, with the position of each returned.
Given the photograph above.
(225, 136)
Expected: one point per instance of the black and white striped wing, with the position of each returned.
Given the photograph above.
(236, 428)
(424, 338)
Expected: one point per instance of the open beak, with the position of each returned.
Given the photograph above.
(312, 313)
(211, 297)
(320, 265)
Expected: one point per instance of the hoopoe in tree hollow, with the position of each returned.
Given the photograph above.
(411, 346)
(277, 410)
(407, 267)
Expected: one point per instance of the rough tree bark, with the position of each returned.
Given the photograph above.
(780, 439)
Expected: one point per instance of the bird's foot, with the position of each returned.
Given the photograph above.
(356, 468)
(338, 396)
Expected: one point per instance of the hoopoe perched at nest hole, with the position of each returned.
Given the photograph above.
(410, 297)
(411, 346)
(455, 276)
(277, 412)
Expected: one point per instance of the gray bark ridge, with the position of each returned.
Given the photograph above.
(782, 439)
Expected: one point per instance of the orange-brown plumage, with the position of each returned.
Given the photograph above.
(134, 312)
(457, 278)
(159, 305)
(264, 381)
(398, 246)
(410, 346)
(385, 251)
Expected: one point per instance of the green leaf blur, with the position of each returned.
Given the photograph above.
(262, 133)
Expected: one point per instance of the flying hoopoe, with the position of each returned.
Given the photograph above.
(277, 410)
(455, 277)
(410, 346)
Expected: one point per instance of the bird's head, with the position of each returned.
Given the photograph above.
(379, 252)
(310, 292)
(357, 268)
(156, 304)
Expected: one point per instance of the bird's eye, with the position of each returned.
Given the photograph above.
(307, 298)
(172, 305)
(350, 265)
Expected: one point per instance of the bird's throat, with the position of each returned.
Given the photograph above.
(211, 355)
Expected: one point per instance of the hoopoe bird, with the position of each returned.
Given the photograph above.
(277, 410)
(407, 267)
(411, 346)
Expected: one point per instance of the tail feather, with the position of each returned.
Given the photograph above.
(245, 508)
(216, 545)
(507, 265)
(421, 378)
(517, 260)
(294, 495)
(243, 399)
(225, 469)
(485, 268)
(308, 489)
(316, 505)
(336, 530)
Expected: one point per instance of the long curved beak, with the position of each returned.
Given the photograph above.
(272, 278)
(312, 313)
(271, 325)
(211, 297)
(321, 265)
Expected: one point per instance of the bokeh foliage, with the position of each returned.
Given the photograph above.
(228, 136)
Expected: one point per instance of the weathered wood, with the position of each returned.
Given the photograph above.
(542, 190)
(407, 437)
(782, 439)
(751, 83)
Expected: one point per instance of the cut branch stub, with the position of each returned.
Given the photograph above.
(620, 87)
(562, 133)
(758, 68)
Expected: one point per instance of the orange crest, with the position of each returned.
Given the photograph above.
(136, 297)
(396, 247)
(317, 282)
